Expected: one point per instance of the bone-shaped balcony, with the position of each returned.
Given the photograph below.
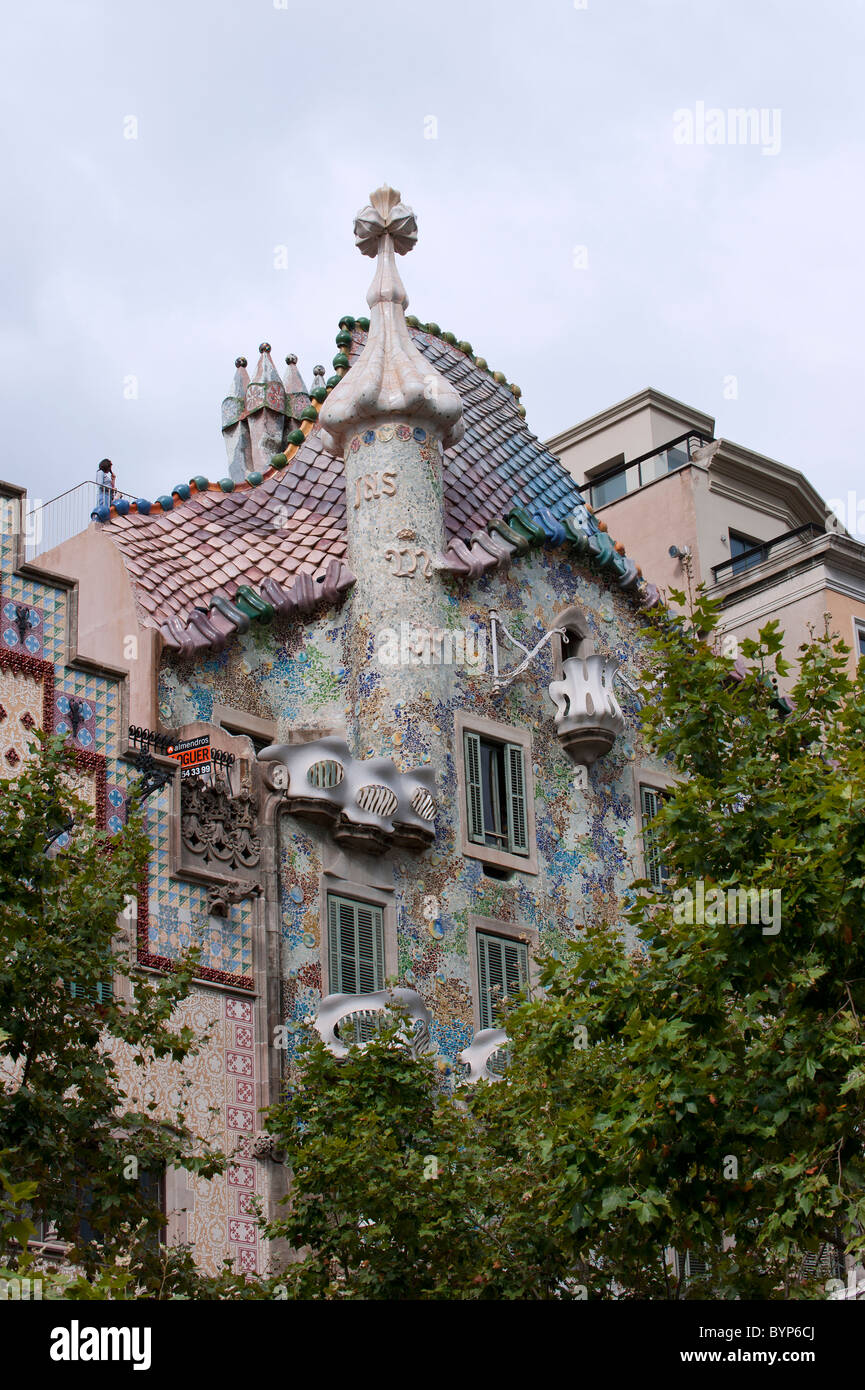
(588, 716)
(368, 804)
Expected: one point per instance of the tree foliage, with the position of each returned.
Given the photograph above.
(70, 1129)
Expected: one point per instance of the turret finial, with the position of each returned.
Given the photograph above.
(391, 378)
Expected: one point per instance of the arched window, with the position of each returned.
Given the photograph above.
(577, 639)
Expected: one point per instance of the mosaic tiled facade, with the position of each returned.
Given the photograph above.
(589, 846)
(281, 605)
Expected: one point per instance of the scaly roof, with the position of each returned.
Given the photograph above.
(211, 557)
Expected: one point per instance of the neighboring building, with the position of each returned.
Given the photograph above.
(689, 506)
(426, 784)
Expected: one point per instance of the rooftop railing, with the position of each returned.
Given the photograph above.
(756, 554)
(50, 523)
(629, 477)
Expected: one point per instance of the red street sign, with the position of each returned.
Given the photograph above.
(193, 754)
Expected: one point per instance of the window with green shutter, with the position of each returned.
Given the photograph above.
(651, 799)
(355, 958)
(496, 801)
(503, 970)
(355, 946)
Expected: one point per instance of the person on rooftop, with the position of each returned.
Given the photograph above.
(106, 483)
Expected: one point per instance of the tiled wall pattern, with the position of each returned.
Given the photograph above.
(588, 841)
(216, 1090)
(178, 916)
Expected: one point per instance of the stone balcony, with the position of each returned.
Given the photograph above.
(368, 805)
(588, 716)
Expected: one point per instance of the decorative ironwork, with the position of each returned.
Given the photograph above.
(217, 827)
(77, 716)
(65, 829)
(152, 777)
(147, 739)
(501, 680)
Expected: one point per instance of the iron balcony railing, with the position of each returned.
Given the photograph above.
(629, 477)
(756, 554)
(50, 523)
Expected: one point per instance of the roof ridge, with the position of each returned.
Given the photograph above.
(182, 492)
(348, 322)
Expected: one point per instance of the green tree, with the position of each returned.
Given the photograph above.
(699, 1084)
(69, 1129)
(397, 1190)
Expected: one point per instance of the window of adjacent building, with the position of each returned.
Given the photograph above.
(651, 799)
(496, 793)
(355, 946)
(503, 970)
(738, 545)
(860, 638)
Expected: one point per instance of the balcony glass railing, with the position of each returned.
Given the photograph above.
(788, 541)
(629, 477)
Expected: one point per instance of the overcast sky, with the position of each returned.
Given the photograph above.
(264, 124)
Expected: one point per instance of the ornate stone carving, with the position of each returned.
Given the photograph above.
(391, 378)
(220, 896)
(22, 621)
(588, 716)
(264, 1147)
(219, 830)
(323, 782)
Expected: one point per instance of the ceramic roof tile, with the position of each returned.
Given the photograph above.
(218, 539)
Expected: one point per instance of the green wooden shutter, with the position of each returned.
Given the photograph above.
(355, 946)
(515, 786)
(516, 957)
(474, 787)
(650, 805)
(503, 969)
(370, 964)
(100, 993)
(484, 1002)
(334, 970)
